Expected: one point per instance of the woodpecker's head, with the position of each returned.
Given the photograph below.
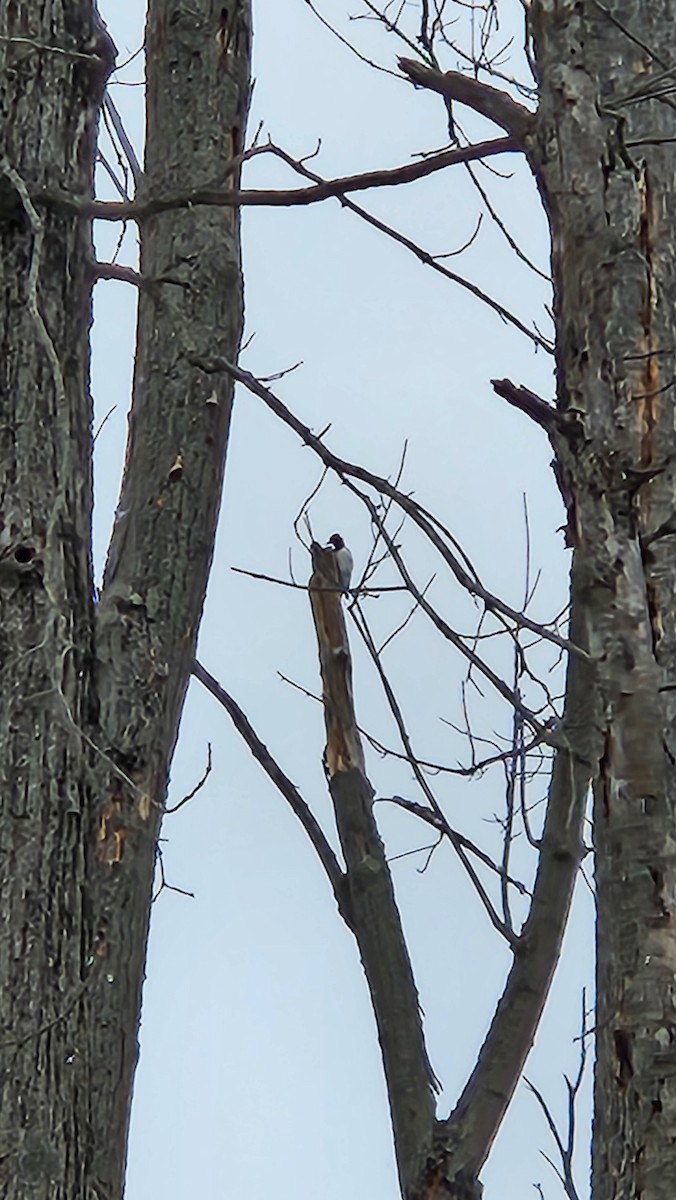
(343, 560)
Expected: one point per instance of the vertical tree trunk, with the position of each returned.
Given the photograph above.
(49, 104)
(91, 694)
(609, 192)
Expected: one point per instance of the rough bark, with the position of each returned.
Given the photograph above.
(48, 111)
(91, 693)
(161, 548)
(610, 200)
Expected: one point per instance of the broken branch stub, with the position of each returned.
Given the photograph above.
(374, 916)
(344, 751)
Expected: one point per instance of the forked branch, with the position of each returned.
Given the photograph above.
(445, 1157)
(469, 1132)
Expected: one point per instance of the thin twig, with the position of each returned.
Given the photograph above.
(110, 412)
(283, 784)
(198, 786)
(167, 887)
(440, 823)
(388, 505)
(119, 188)
(506, 930)
(363, 591)
(422, 518)
(345, 42)
(423, 256)
(118, 126)
(497, 220)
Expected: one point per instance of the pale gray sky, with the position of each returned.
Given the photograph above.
(260, 1071)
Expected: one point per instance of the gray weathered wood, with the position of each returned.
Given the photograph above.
(611, 201)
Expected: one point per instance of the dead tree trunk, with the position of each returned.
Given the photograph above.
(371, 909)
(49, 102)
(92, 693)
(609, 189)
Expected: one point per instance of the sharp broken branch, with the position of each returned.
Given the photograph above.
(544, 415)
(490, 102)
(376, 920)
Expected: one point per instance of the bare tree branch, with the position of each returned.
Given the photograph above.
(417, 512)
(165, 886)
(475, 768)
(490, 102)
(197, 788)
(345, 42)
(497, 219)
(438, 821)
(502, 927)
(565, 1174)
(302, 587)
(118, 125)
(423, 256)
(545, 415)
(473, 1125)
(283, 784)
(113, 210)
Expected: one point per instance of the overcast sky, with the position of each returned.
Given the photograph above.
(260, 1070)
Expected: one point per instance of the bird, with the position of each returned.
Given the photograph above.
(344, 562)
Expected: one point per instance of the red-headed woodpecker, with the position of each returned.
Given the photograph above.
(344, 561)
